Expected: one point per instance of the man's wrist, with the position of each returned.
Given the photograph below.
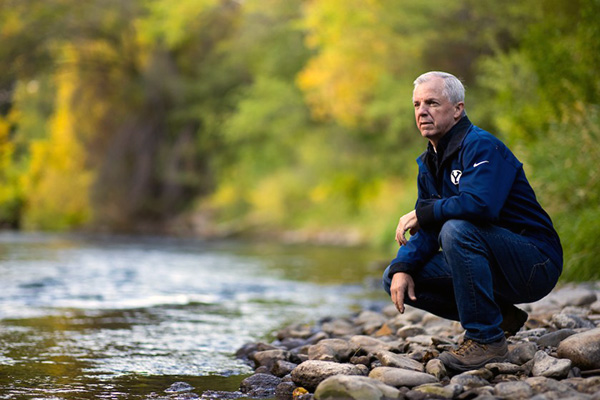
(425, 215)
(399, 267)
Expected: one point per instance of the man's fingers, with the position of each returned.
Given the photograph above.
(400, 301)
(400, 238)
(411, 292)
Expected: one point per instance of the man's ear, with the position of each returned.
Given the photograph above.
(458, 110)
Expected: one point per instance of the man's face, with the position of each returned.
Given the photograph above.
(434, 113)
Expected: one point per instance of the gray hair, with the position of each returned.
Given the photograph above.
(453, 87)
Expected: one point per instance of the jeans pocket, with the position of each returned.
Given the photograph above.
(542, 280)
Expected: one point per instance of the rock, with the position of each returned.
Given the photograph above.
(483, 373)
(553, 339)
(522, 353)
(317, 337)
(368, 344)
(504, 368)
(340, 328)
(439, 391)
(513, 390)
(364, 360)
(268, 358)
(531, 333)
(571, 321)
(368, 317)
(370, 321)
(283, 368)
(312, 372)
(469, 381)
(337, 350)
(355, 387)
(583, 349)
(504, 378)
(301, 331)
(545, 365)
(179, 387)
(401, 377)
(583, 385)
(436, 368)
(385, 330)
(260, 385)
(389, 359)
(390, 311)
(423, 340)
(542, 384)
(581, 311)
(246, 351)
(284, 391)
(409, 331)
(290, 343)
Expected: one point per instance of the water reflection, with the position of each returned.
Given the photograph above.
(109, 317)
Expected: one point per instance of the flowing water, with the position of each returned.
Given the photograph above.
(84, 317)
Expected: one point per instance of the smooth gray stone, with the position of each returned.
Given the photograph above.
(583, 349)
(553, 339)
(312, 372)
(571, 321)
(522, 353)
(355, 387)
(337, 350)
(398, 377)
(469, 381)
(389, 359)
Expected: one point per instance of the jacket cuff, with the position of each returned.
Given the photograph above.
(426, 216)
(399, 267)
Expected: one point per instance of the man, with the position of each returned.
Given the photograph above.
(498, 246)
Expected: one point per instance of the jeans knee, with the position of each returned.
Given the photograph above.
(454, 232)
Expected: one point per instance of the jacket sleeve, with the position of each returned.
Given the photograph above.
(414, 254)
(420, 247)
(489, 170)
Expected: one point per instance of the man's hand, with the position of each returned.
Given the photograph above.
(402, 283)
(407, 223)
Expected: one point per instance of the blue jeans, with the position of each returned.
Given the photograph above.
(481, 270)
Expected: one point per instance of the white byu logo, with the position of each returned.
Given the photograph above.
(455, 176)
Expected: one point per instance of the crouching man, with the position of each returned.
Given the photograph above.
(479, 240)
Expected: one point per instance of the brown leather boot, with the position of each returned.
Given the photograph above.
(474, 355)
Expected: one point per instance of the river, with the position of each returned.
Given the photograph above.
(119, 317)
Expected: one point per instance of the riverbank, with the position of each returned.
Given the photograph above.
(377, 354)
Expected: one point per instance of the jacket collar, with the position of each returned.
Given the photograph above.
(451, 142)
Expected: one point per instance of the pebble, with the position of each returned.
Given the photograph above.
(398, 377)
(389, 359)
(387, 355)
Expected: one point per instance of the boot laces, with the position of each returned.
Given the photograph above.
(468, 347)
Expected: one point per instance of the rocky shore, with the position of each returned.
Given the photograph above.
(381, 354)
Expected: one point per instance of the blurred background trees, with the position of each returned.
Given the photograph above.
(230, 117)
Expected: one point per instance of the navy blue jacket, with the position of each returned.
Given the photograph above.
(479, 179)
